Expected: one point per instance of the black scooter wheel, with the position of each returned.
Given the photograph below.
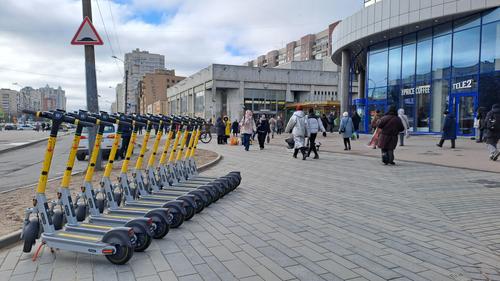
(177, 219)
(99, 202)
(58, 219)
(143, 238)
(122, 255)
(81, 212)
(190, 211)
(161, 227)
(200, 205)
(30, 234)
(118, 198)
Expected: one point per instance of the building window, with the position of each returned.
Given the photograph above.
(441, 57)
(466, 52)
(199, 102)
(490, 47)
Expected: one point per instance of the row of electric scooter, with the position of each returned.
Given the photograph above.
(119, 218)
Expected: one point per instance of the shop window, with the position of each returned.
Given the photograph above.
(424, 55)
(490, 47)
(393, 94)
(423, 103)
(408, 106)
(408, 64)
(464, 84)
(440, 90)
(491, 16)
(489, 93)
(441, 57)
(466, 52)
(199, 102)
(394, 75)
(377, 74)
(377, 93)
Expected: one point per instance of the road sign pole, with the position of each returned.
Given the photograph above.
(91, 83)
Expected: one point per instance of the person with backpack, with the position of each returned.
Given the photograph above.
(356, 120)
(297, 125)
(346, 129)
(449, 129)
(493, 131)
(480, 124)
(315, 125)
(406, 124)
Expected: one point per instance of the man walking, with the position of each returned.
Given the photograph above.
(493, 131)
(315, 125)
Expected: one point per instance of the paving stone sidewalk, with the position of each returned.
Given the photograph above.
(342, 217)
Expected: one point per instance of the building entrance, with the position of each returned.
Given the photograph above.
(464, 106)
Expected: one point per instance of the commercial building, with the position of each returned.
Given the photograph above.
(120, 97)
(421, 55)
(220, 90)
(137, 64)
(309, 47)
(154, 90)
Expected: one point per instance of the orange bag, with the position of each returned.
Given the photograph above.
(233, 141)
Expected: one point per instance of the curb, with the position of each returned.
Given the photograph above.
(27, 144)
(14, 237)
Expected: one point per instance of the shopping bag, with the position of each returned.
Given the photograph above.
(374, 140)
(233, 141)
(290, 142)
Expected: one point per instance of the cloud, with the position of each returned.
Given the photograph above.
(35, 49)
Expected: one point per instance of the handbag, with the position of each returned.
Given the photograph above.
(290, 142)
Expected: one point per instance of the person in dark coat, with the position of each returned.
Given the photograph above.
(220, 128)
(235, 128)
(481, 123)
(449, 129)
(324, 121)
(263, 129)
(492, 134)
(390, 125)
(356, 119)
(126, 134)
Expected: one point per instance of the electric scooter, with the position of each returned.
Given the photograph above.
(116, 244)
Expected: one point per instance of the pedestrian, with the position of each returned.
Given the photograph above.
(220, 128)
(480, 124)
(356, 119)
(297, 125)
(247, 128)
(37, 127)
(43, 127)
(315, 125)
(390, 126)
(208, 127)
(375, 119)
(262, 130)
(272, 126)
(449, 129)
(280, 125)
(126, 134)
(492, 133)
(324, 121)
(228, 129)
(406, 124)
(235, 128)
(346, 129)
(331, 121)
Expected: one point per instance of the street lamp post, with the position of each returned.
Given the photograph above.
(126, 83)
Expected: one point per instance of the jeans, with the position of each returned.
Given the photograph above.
(245, 140)
(401, 139)
(312, 144)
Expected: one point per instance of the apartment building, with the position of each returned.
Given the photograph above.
(154, 90)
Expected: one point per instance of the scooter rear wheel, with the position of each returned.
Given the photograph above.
(81, 212)
(143, 241)
(122, 255)
(162, 227)
(177, 219)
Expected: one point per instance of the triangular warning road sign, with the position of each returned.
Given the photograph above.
(86, 34)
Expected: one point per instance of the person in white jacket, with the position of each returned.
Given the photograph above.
(406, 124)
(297, 125)
(315, 126)
(247, 128)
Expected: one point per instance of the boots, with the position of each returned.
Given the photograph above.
(304, 155)
(295, 152)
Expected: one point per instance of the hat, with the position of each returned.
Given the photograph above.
(298, 107)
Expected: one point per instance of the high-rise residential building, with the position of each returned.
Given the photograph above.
(120, 97)
(137, 64)
(8, 104)
(30, 98)
(154, 90)
(113, 107)
(308, 47)
(52, 98)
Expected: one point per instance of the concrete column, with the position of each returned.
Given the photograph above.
(311, 93)
(289, 95)
(241, 93)
(361, 86)
(344, 81)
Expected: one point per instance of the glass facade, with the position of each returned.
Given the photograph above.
(264, 101)
(453, 66)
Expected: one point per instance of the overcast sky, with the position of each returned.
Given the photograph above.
(35, 36)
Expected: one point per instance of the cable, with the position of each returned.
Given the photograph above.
(107, 36)
(37, 73)
(114, 27)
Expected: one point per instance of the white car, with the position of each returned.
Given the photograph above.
(25, 127)
(108, 138)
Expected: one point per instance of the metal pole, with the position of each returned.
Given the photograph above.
(126, 91)
(91, 83)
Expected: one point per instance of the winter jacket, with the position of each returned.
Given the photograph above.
(247, 125)
(228, 127)
(404, 119)
(347, 126)
(390, 126)
(263, 126)
(314, 124)
(491, 136)
(297, 125)
(356, 119)
(324, 120)
(235, 127)
(449, 127)
(220, 127)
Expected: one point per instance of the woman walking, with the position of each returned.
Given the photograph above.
(346, 129)
(390, 126)
(221, 130)
(227, 130)
(297, 125)
(235, 128)
(480, 124)
(262, 130)
(247, 126)
(449, 129)
(406, 124)
(315, 125)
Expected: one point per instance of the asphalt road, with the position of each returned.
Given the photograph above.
(22, 167)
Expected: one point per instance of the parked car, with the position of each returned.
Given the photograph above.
(10, 126)
(108, 138)
(25, 127)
